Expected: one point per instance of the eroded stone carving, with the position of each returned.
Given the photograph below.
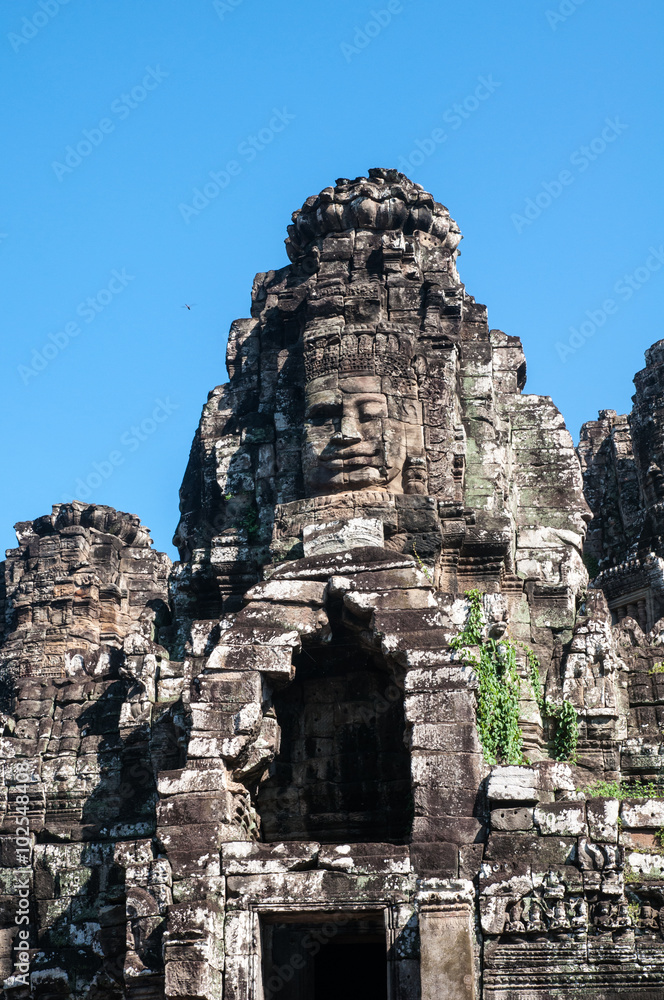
(358, 437)
(277, 757)
(622, 458)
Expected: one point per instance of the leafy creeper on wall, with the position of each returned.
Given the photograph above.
(495, 664)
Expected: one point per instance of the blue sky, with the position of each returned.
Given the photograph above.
(537, 122)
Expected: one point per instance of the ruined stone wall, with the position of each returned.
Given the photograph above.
(621, 458)
(259, 773)
(81, 581)
(90, 723)
(611, 487)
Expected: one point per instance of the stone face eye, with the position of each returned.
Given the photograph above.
(322, 413)
(371, 410)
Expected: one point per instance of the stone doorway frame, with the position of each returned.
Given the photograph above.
(303, 913)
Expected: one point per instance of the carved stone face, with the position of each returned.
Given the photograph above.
(355, 436)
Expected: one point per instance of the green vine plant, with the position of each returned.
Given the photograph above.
(566, 738)
(499, 689)
(421, 564)
(567, 733)
(637, 875)
(534, 677)
(251, 523)
(622, 790)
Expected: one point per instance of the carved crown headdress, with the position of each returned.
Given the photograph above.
(383, 351)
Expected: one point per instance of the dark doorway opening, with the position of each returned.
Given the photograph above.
(328, 958)
(352, 970)
(343, 772)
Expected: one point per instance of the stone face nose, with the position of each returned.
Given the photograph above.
(349, 432)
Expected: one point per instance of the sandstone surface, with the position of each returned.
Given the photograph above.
(265, 771)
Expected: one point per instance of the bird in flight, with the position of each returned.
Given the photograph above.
(187, 306)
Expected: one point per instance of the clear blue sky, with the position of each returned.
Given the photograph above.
(169, 91)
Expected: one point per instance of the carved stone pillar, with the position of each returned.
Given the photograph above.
(447, 961)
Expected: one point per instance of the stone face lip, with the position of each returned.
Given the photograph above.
(386, 200)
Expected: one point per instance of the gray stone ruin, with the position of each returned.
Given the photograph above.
(622, 458)
(265, 772)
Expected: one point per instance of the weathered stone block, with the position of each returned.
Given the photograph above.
(289, 592)
(451, 828)
(639, 815)
(340, 536)
(233, 687)
(191, 779)
(248, 858)
(273, 661)
(194, 808)
(442, 801)
(441, 707)
(565, 819)
(447, 962)
(446, 737)
(192, 850)
(443, 770)
(513, 784)
(365, 859)
(192, 980)
(517, 818)
(440, 860)
(393, 579)
(196, 887)
(602, 815)
(540, 853)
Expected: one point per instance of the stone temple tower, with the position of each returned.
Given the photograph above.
(279, 778)
(622, 457)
